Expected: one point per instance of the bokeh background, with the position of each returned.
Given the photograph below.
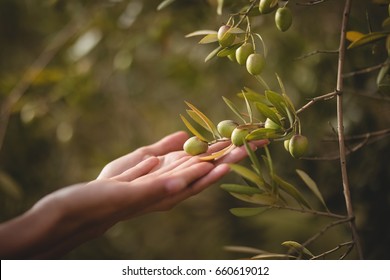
(93, 80)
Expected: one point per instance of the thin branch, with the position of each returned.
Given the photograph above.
(311, 2)
(340, 123)
(363, 136)
(325, 229)
(350, 245)
(365, 70)
(308, 211)
(316, 99)
(316, 52)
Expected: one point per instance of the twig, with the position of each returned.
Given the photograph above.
(365, 70)
(340, 128)
(316, 52)
(308, 211)
(311, 3)
(316, 99)
(350, 245)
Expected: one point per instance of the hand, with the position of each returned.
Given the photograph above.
(152, 178)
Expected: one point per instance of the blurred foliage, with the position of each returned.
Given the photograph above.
(118, 77)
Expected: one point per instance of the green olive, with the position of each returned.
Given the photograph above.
(226, 127)
(255, 63)
(267, 6)
(243, 52)
(298, 145)
(225, 38)
(195, 146)
(238, 136)
(283, 18)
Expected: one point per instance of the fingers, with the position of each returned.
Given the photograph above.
(170, 143)
(139, 170)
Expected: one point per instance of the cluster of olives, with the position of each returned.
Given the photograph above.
(283, 16)
(244, 54)
(227, 129)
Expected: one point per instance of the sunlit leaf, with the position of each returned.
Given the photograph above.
(218, 154)
(297, 247)
(368, 38)
(281, 85)
(268, 113)
(193, 129)
(353, 36)
(247, 211)
(247, 174)
(197, 119)
(233, 107)
(209, 38)
(236, 30)
(201, 33)
(164, 4)
(240, 189)
(208, 123)
(212, 54)
(386, 22)
(312, 186)
(220, 7)
(291, 190)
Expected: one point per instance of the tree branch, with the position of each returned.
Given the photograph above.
(340, 128)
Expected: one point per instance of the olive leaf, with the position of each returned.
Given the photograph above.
(354, 36)
(312, 186)
(255, 162)
(218, 154)
(248, 108)
(197, 119)
(260, 199)
(228, 50)
(209, 124)
(212, 54)
(272, 256)
(209, 38)
(254, 96)
(247, 211)
(220, 7)
(201, 33)
(291, 190)
(277, 101)
(297, 247)
(368, 38)
(233, 107)
(193, 129)
(164, 4)
(263, 133)
(245, 249)
(240, 189)
(247, 174)
(268, 113)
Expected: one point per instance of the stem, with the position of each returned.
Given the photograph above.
(343, 162)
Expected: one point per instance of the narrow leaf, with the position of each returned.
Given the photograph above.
(254, 160)
(248, 108)
(291, 190)
(367, 39)
(211, 127)
(233, 107)
(268, 113)
(264, 133)
(312, 186)
(228, 50)
(209, 38)
(164, 4)
(220, 7)
(272, 256)
(254, 96)
(281, 85)
(260, 199)
(212, 54)
(197, 119)
(277, 101)
(240, 189)
(353, 36)
(218, 154)
(192, 129)
(244, 249)
(297, 247)
(201, 33)
(236, 30)
(247, 174)
(247, 211)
